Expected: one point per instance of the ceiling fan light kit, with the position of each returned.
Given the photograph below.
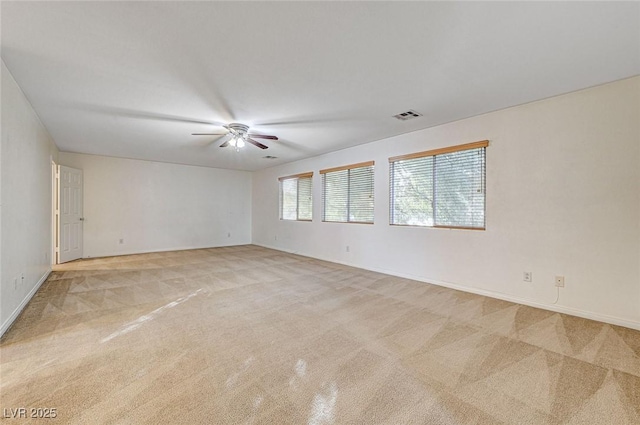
(238, 142)
(239, 132)
(240, 136)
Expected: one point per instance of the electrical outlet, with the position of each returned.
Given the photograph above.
(527, 277)
(229, 234)
(348, 249)
(560, 281)
(121, 241)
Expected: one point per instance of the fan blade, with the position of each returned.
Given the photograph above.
(258, 144)
(262, 136)
(208, 134)
(136, 114)
(300, 121)
(225, 139)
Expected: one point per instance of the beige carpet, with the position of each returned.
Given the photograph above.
(245, 335)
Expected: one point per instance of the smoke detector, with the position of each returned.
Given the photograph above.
(410, 114)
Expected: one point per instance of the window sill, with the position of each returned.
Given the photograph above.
(348, 222)
(439, 227)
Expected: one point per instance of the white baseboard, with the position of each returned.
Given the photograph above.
(492, 294)
(182, 248)
(7, 323)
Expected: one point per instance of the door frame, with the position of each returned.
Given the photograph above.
(55, 210)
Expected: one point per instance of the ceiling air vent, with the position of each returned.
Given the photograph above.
(408, 115)
(270, 157)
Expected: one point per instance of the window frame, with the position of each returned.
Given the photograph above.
(343, 168)
(296, 177)
(434, 153)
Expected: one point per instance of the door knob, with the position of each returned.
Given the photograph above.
(81, 218)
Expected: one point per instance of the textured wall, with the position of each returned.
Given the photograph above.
(563, 198)
(25, 188)
(156, 206)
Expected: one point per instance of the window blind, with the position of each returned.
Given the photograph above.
(441, 188)
(296, 202)
(347, 193)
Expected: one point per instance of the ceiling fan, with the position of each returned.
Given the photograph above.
(239, 136)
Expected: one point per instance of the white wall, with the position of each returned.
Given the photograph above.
(157, 206)
(25, 206)
(563, 198)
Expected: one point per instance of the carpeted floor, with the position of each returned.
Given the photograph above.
(244, 335)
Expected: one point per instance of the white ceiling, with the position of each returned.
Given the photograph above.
(136, 79)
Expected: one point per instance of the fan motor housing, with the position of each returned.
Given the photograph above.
(239, 128)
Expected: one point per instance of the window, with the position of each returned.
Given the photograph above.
(347, 193)
(296, 201)
(439, 188)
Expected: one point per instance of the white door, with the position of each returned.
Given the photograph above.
(70, 216)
